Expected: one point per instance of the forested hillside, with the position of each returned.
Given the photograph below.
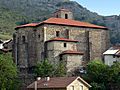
(17, 12)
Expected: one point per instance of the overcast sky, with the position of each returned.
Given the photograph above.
(102, 7)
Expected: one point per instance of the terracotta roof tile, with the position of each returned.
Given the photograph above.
(28, 25)
(72, 52)
(62, 39)
(70, 22)
(62, 21)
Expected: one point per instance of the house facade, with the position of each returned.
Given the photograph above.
(112, 55)
(60, 83)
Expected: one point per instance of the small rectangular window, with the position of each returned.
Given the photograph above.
(65, 44)
(23, 39)
(66, 16)
(57, 33)
(67, 33)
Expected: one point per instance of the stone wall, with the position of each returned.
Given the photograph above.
(55, 48)
(98, 39)
(73, 62)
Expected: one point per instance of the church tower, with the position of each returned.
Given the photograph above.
(63, 13)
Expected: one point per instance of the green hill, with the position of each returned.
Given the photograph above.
(17, 12)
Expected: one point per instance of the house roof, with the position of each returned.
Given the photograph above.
(56, 82)
(62, 39)
(115, 50)
(110, 52)
(28, 25)
(72, 52)
(61, 21)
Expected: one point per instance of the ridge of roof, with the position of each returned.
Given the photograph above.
(62, 39)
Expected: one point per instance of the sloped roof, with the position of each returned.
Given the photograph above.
(62, 39)
(72, 52)
(28, 25)
(111, 52)
(56, 82)
(61, 21)
(71, 22)
(115, 50)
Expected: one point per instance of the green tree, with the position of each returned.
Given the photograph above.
(101, 76)
(44, 68)
(8, 72)
(60, 71)
(96, 70)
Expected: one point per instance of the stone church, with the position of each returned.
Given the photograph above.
(60, 38)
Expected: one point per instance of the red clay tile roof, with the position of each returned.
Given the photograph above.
(70, 22)
(28, 25)
(71, 52)
(56, 82)
(61, 21)
(62, 39)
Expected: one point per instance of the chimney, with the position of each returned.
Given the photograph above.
(38, 78)
(47, 78)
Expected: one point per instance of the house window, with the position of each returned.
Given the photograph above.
(56, 16)
(65, 44)
(39, 36)
(113, 56)
(67, 33)
(66, 16)
(72, 88)
(57, 33)
(81, 87)
(23, 39)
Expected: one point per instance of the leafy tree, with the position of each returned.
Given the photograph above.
(101, 76)
(96, 70)
(44, 68)
(8, 72)
(61, 70)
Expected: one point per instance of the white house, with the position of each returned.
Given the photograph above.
(112, 55)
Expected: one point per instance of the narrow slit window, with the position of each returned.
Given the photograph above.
(57, 33)
(65, 44)
(39, 36)
(66, 16)
(23, 39)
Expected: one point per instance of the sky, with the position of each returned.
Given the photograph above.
(102, 7)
